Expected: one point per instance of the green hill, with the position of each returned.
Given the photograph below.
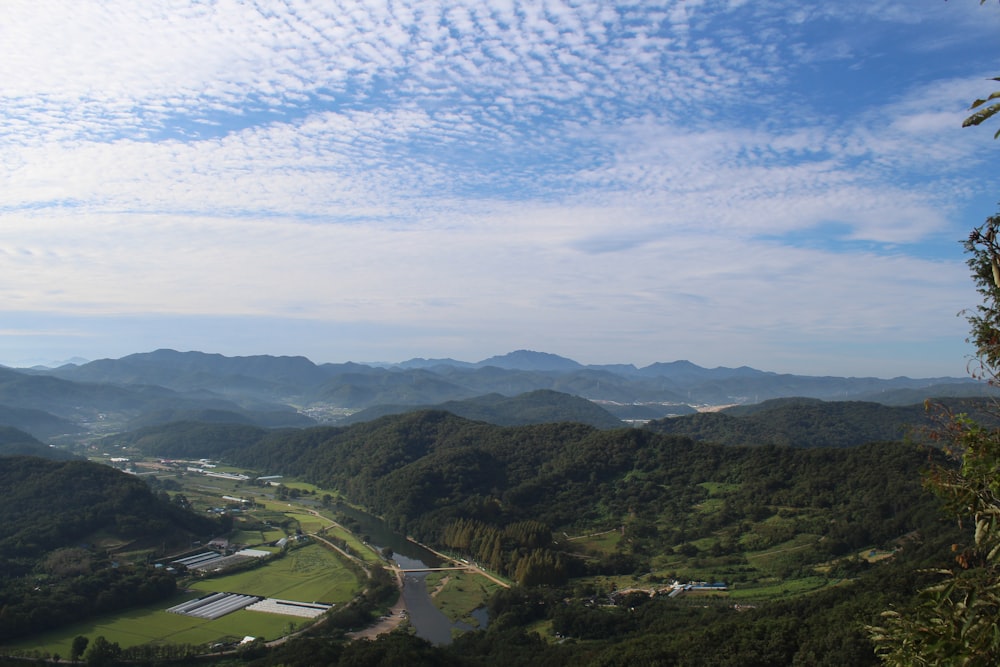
(584, 511)
(537, 407)
(66, 531)
(14, 442)
(806, 422)
(423, 470)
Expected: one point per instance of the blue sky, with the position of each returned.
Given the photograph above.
(726, 181)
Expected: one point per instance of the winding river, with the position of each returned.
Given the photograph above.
(426, 619)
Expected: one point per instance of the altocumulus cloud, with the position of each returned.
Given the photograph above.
(731, 182)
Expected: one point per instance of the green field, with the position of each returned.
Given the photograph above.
(311, 573)
(781, 589)
(154, 625)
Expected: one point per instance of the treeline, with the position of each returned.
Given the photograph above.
(518, 550)
(188, 439)
(29, 607)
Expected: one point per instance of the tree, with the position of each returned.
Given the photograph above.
(102, 653)
(79, 646)
(954, 619)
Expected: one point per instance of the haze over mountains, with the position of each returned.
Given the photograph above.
(277, 391)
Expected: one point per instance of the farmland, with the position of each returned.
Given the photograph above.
(306, 574)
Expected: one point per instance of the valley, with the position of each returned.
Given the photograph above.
(540, 522)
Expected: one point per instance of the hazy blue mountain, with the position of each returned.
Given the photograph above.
(48, 406)
(38, 423)
(189, 381)
(419, 362)
(261, 375)
(528, 360)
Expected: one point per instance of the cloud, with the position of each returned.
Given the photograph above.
(634, 171)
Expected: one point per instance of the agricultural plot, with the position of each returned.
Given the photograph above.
(308, 574)
(154, 624)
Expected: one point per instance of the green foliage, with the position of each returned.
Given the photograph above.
(954, 621)
(984, 112)
(800, 422)
(102, 653)
(536, 407)
(79, 646)
(49, 511)
(14, 442)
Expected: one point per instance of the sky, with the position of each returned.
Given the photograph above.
(777, 184)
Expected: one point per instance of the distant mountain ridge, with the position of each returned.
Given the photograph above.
(272, 391)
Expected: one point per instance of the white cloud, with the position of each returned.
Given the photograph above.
(544, 167)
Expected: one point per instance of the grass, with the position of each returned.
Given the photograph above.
(359, 548)
(782, 589)
(458, 593)
(155, 625)
(710, 506)
(605, 542)
(309, 574)
(716, 489)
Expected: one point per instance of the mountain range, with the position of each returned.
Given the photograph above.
(276, 391)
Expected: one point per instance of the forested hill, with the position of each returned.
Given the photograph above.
(424, 470)
(535, 407)
(802, 422)
(46, 505)
(189, 439)
(58, 522)
(14, 442)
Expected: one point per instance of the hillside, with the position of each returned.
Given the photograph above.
(536, 407)
(48, 406)
(14, 442)
(59, 521)
(800, 422)
(187, 439)
(422, 470)
(570, 506)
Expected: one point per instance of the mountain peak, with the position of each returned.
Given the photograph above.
(529, 360)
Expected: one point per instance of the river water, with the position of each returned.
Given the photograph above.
(426, 619)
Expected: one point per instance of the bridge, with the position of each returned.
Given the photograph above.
(437, 569)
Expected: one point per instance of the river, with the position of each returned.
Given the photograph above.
(427, 620)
